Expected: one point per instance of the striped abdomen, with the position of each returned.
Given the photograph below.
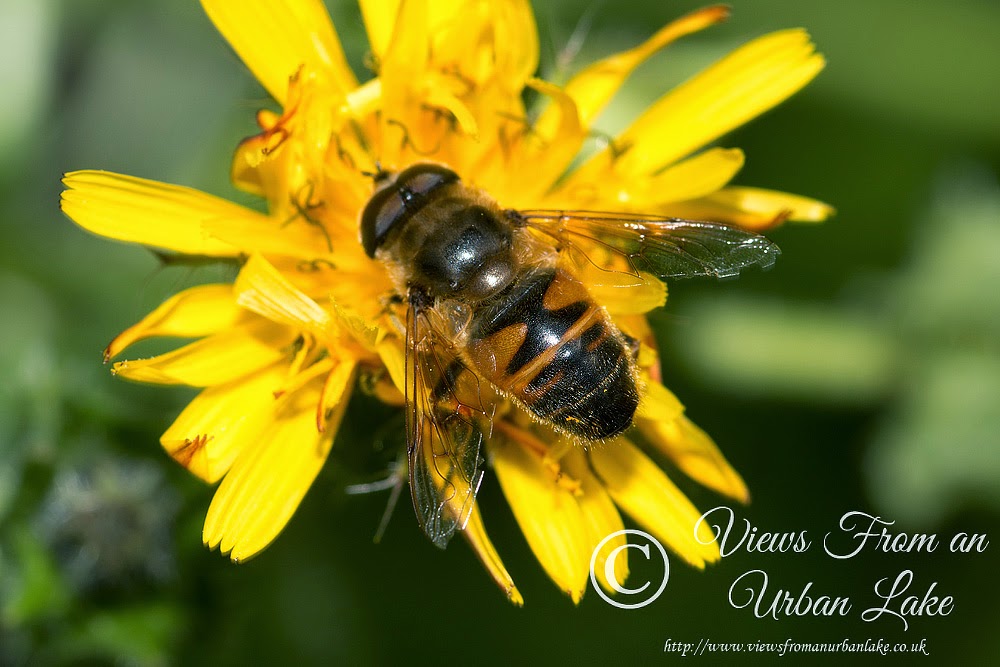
(546, 342)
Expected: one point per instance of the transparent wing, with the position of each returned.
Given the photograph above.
(664, 247)
(443, 437)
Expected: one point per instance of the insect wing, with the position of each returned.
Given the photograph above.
(664, 247)
(444, 441)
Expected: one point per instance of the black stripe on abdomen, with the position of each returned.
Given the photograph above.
(571, 367)
(588, 388)
(524, 305)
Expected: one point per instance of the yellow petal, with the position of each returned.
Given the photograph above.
(695, 454)
(600, 516)
(658, 404)
(548, 515)
(364, 331)
(390, 351)
(697, 176)
(276, 38)
(482, 39)
(752, 208)
(550, 153)
(335, 387)
(219, 358)
(647, 495)
(148, 212)
(198, 311)
(350, 279)
(593, 87)
(246, 171)
(475, 534)
(622, 293)
(469, 50)
(262, 289)
(441, 99)
(694, 177)
(222, 421)
(514, 47)
(380, 20)
(407, 52)
(740, 86)
(268, 481)
(296, 237)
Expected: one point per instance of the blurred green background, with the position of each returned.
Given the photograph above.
(862, 373)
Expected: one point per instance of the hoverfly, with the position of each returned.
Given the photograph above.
(495, 308)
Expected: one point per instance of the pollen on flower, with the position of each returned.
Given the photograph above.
(192, 446)
(567, 483)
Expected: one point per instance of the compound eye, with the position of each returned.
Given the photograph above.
(421, 179)
(396, 201)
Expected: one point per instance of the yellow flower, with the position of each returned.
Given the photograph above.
(308, 319)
